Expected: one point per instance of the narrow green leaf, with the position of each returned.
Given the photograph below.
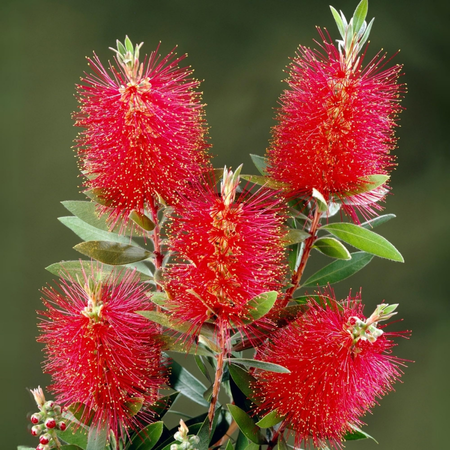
(366, 33)
(246, 425)
(21, 447)
(369, 183)
(339, 270)
(203, 434)
(159, 298)
(74, 270)
(321, 202)
(252, 446)
(87, 212)
(183, 381)
(97, 438)
(358, 434)
(269, 420)
(81, 413)
(164, 320)
(89, 233)
(242, 379)
(148, 437)
(71, 447)
(360, 15)
(364, 239)
(339, 23)
(260, 305)
(142, 220)
(260, 163)
(270, 367)
(302, 300)
(228, 447)
(295, 236)
(264, 181)
(377, 221)
(241, 441)
(163, 404)
(175, 344)
(134, 405)
(331, 247)
(112, 253)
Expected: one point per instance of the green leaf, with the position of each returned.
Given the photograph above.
(358, 434)
(302, 300)
(241, 441)
(260, 305)
(112, 253)
(331, 247)
(21, 447)
(377, 221)
(282, 444)
(339, 23)
(260, 163)
(339, 270)
(360, 15)
(74, 434)
(252, 446)
(294, 236)
(164, 403)
(87, 212)
(321, 202)
(366, 34)
(159, 298)
(270, 367)
(142, 220)
(148, 437)
(368, 184)
(81, 413)
(89, 233)
(74, 270)
(134, 405)
(228, 447)
(269, 420)
(183, 381)
(97, 438)
(71, 447)
(364, 239)
(264, 181)
(203, 434)
(164, 320)
(242, 379)
(177, 345)
(246, 425)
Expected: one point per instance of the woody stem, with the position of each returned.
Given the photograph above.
(218, 375)
(309, 242)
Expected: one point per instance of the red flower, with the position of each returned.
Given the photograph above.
(336, 127)
(99, 351)
(145, 133)
(228, 249)
(339, 363)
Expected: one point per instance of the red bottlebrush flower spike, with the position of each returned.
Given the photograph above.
(100, 352)
(339, 362)
(145, 133)
(336, 124)
(229, 249)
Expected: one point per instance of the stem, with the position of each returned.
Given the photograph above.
(296, 277)
(218, 375)
(223, 440)
(156, 238)
(273, 442)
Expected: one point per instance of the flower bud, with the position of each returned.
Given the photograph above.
(48, 406)
(50, 423)
(45, 438)
(62, 426)
(36, 418)
(36, 430)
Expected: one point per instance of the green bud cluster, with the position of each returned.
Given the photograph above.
(185, 442)
(46, 422)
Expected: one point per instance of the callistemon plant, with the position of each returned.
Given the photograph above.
(208, 263)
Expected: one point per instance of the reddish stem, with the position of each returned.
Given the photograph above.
(296, 277)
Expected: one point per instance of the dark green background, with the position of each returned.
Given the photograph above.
(240, 48)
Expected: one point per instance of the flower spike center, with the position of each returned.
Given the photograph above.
(230, 182)
(367, 330)
(93, 310)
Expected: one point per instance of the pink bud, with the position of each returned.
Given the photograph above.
(45, 439)
(35, 418)
(50, 423)
(36, 430)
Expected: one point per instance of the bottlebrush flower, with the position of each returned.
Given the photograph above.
(336, 123)
(229, 249)
(99, 351)
(339, 362)
(145, 134)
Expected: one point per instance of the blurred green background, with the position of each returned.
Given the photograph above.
(240, 48)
